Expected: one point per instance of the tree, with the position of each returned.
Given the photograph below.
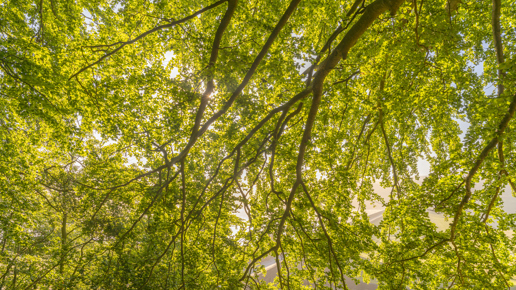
(133, 131)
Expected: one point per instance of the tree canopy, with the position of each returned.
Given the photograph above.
(132, 133)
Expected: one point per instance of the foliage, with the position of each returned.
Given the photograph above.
(132, 132)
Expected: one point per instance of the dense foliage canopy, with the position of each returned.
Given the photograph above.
(133, 132)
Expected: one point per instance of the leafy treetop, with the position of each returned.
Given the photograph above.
(132, 132)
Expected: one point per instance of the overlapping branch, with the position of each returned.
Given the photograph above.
(370, 14)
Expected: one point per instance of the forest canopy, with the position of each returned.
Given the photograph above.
(176, 144)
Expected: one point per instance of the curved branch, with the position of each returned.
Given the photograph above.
(157, 28)
(371, 13)
(501, 127)
(213, 59)
(330, 243)
(243, 84)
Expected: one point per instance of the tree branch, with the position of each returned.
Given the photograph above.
(157, 28)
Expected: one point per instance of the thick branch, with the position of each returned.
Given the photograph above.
(213, 59)
(371, 13)
(243, 84)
